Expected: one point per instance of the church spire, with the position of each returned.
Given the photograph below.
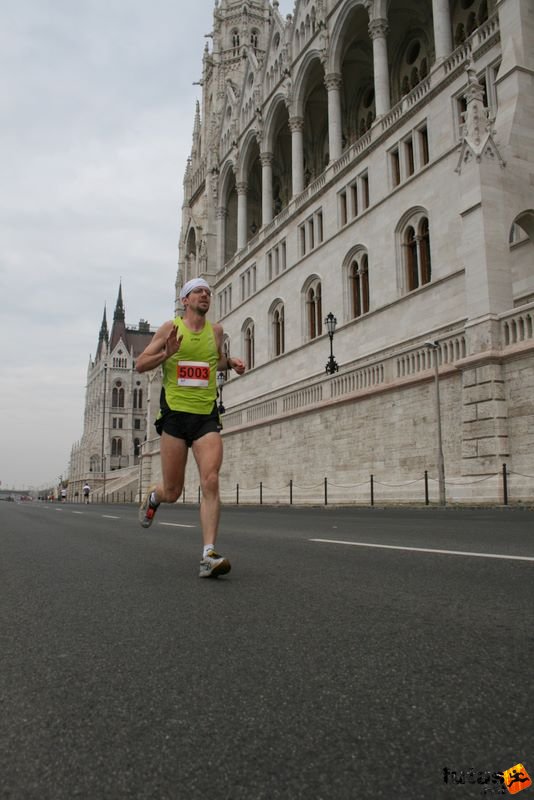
(118, 329)
(103, 336)
(118, 316)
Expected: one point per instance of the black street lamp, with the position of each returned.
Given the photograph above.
(331, 364)
(220, 383)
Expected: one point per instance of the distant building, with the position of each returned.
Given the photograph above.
(374, 160)
(117, 402)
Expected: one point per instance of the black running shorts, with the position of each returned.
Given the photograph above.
(189, 427)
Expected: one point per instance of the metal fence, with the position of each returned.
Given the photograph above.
(505, 487)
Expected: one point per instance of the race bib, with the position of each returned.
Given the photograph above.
(193, 373)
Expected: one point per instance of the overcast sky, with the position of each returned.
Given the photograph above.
(96, 117)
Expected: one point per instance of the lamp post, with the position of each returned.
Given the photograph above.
(220, 383)
(434, 346)
(331, 364)
(104, 429)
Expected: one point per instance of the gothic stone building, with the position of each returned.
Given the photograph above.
(373, 160)
(117, 404)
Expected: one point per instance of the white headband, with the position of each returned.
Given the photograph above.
(194, 283)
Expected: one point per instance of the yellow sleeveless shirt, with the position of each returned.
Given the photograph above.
(189, 376)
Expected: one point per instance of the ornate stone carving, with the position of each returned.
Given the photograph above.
(378, 28)
(333, 81)
(477, 130)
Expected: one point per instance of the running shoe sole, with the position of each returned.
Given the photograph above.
(223, 568)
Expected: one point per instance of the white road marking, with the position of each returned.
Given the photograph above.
(426, 550)
(177, 525)
(77, 512)
(109, 516)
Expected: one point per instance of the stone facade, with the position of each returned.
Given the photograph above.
(118, 403)
(375, 161)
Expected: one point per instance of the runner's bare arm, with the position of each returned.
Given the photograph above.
(164, 344)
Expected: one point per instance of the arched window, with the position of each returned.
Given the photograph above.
(137, 447)
(235, 42)
(116, 447)
(314, 312)
(248, 342)
(254, 39)
(359, 285)
(138, 398)
(278, 330)
(412, 267)
(416, 252)
(426, 267)
(117, 395)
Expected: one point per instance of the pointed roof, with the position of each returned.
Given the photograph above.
(103, 336)
(118, 316)
(134, 339)
(118, 331)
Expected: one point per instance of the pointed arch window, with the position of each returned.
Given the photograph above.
(314, 312)
(138, 398)
(359, 285)
(416, 253)
(248, 342)
(116, 447)
(117, 396)
(235, 42)
(426, 267)
(411, 259)
(278, 330)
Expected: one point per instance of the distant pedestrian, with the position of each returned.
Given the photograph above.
(63, 495)
(86, 489)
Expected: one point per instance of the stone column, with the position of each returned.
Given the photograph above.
(333, 85)
(266, 187)
(483, 244)
(241, 214)
(221, 236)
(442, 28)
(296, 126)
(378, 29)
(485, 441)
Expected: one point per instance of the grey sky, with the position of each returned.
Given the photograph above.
(96, 115)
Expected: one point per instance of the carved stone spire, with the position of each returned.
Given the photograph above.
(103, 336)
(477, 130)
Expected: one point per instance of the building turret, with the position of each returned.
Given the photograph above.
(103, 338)
(118, 330)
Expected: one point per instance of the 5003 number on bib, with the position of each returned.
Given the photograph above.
(193, 373)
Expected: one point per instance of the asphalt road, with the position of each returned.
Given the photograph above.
(316, 669)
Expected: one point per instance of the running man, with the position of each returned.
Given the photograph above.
(189, 350)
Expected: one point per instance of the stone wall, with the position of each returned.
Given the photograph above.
(388, 432)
